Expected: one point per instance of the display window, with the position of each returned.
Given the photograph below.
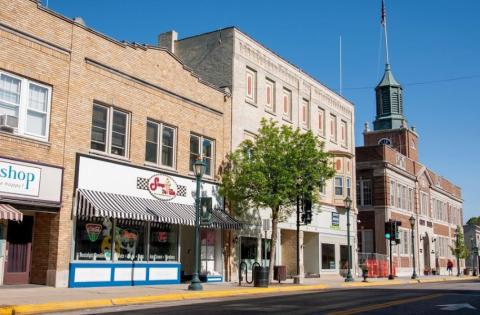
(208, 238)
(93, 239)
(163, 243)
(130, 241)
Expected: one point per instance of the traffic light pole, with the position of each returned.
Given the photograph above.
(392, 233)
(298, 237)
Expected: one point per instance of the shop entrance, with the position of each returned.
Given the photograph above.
(18, 251)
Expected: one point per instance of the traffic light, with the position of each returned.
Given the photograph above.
(307, 211)
(388, 230)
(396, 224)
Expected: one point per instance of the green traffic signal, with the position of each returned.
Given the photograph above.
(387, 236)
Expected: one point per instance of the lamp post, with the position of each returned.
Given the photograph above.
(472, 253)
(457, 252)
(412, 224)
(348, 205)
(199, 169)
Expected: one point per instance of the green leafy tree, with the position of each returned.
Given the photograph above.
(460, 249)
(474, 221)
(270, 172)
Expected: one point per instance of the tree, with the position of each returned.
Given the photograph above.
(270, 172)
(459, 250)
(474, 221)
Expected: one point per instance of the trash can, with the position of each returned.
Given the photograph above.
(260, 277)
(280, 273)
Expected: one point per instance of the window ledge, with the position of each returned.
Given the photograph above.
(287, 120)
(250, 102)
(25, 138)
(270, 112)
(109, 156)
(160, 168)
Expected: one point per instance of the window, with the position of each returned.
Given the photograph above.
(305, 114)
(200, 146)
(109, 130)
(207, 255)
(130, 240)
(323, 189)
(424, 204)
(287, 104)
(328, 256)
(160, 154)
(251, 83)
(364, 192)
(343, 133)
(321, 122)
(348, 182)
(93, 239)
(392, 193)
(344, 257)
(333, 128)
(338, 185)
(404, 242)
(28, 102)
(335, 219)
(410, 199)
(399, 196)
(163, 242)
(270, 95)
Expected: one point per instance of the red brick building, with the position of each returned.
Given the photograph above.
(393, 184)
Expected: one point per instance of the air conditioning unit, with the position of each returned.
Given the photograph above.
(8, 122)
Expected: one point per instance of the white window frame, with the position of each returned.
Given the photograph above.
(305, 113)
(288, 95)
(361, 185)
(160, 126)
(109, 131)
(341, 185)
(333, 133)
(392, 193)
(344, 133)
(23, 107)
(269, 83)
(252, 97)
(348, 186)
(321, 121)
(200, 143)
(424, 207)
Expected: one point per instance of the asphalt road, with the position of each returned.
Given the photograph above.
(434, 298)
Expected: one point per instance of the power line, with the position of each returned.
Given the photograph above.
(422, 83)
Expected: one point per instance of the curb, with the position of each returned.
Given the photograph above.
(149, 299)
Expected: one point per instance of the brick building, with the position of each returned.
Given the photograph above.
(265, 85)
(93, 123)
(393, 184)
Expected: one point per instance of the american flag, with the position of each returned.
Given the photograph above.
(383, 12)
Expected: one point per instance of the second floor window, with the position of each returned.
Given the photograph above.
(364, 192)
(270, 95)
(338, 185)
(305, 113)
(321, 121)
(251, 85)
(333, 128)
(204, 147)
(109, 130)
(160, 145)
(287, 104)
(28, 104)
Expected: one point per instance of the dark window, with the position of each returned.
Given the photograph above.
(99, 128)
(163, 243)
(328, 256)
(93, 239)
(129, 241)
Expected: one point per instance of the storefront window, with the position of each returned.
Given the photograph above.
(129, 241)
(343, 257)
(208, 252)
(93, 239)
(328, 256)
(163, 243)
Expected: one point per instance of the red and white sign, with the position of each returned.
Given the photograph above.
(162, 187)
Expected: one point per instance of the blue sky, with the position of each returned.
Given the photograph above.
(429, 41)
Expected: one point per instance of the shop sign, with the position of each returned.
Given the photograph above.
(19, 179)
(162, 187)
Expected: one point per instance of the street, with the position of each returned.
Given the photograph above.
(429, 298)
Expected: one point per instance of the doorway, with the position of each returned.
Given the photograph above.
(426, 252)
(18, 251)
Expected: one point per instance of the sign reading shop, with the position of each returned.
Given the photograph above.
(30, 181)
(162, 187)
(19, 179)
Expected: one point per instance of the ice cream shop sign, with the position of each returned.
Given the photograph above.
(162, 187)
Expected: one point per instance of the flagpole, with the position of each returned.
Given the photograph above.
(384, 16)
(340, 65)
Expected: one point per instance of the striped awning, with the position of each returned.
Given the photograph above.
(7, 212)
(102, 204)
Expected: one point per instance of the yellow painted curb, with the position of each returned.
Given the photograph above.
(60, 306)
(6, 310)
(371, 284)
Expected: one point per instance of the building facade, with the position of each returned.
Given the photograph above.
(472, 241)
(393, 185)
(264, 85)
(97, 146)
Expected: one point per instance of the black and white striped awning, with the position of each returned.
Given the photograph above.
(92, 203)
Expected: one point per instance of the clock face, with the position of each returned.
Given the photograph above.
(385, 141)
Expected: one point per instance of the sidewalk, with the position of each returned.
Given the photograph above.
(33, 299)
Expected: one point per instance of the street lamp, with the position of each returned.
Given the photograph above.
(199, 170)
(473, 254)
(348, 205)
(457, 251)
(412, 224)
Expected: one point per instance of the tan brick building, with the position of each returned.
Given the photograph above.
(393, 185)
(109, 118)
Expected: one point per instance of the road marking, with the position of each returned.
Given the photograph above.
(384, 305)
(455, 307)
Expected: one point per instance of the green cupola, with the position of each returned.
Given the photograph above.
(389, 95)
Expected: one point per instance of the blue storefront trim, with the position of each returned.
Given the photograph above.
(78, 283)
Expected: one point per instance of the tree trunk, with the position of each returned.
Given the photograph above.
(273, 248)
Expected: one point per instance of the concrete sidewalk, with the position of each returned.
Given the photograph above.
(40, 299)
